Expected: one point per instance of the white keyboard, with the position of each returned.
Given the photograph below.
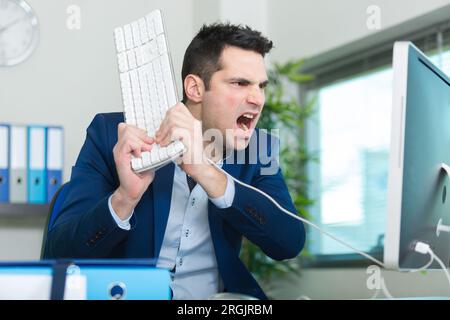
(148, 84)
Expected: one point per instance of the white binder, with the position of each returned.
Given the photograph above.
(18, 164)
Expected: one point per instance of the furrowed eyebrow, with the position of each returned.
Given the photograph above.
(264, 84)
(246, 81)
(242, 80)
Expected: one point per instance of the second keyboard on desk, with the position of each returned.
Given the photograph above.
(147, 83)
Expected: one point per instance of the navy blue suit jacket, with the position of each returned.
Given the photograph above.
(86, 229)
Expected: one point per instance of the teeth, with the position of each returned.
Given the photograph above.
(249, 116)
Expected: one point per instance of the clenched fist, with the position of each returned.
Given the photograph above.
(132, 141)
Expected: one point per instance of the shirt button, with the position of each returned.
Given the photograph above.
(180, 262)
(186, 233)
(193, 202)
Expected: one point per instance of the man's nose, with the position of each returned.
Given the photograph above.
(256, 96)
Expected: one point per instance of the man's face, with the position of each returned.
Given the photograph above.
(236, 96)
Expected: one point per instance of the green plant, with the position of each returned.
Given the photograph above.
(282, 111)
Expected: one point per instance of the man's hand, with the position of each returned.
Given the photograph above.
(131, 142)
(180, 124)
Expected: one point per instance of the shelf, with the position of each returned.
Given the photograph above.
(23, 210)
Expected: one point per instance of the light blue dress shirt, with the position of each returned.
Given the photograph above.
(187, 249)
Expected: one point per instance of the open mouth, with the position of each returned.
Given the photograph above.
(246, 121)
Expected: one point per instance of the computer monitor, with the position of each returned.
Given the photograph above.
(420, 143)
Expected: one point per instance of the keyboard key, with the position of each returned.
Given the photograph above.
(145, 51)
(134, 80)
(151, 81)
(126, 92)
(143, 30)
(125, 80)
(136, 163)
(130, 120)
(136, 90)
(138, 54)
(168, 80)
(136, 34)
(128, 103)
(163, 153)
(150, 27)
(154, 156)
(157, 20)
(128, 36)
(179, 146)
(145, 95)
(131, 59)
(129, 110)
(171, 150)
(120, 39)
(162, 100)
(153, 50)
(123, 62)
(162, 48)
(146, 161)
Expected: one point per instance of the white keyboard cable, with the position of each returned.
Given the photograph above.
(300, 218)
(424, 248)
(424, 267)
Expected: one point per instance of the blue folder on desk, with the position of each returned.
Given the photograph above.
(130, 279)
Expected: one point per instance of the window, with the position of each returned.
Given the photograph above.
(350, 133)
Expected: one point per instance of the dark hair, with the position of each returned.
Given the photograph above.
(203, 53)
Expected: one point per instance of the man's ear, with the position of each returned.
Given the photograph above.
(194, 88)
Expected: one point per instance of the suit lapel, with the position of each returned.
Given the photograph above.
(162, 194)
(232, 169)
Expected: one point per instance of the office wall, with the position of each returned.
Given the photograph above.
(307, 28)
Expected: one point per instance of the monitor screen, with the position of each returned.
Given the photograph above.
(420, 142)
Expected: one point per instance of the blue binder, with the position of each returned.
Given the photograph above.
(36, 164)
(4, 163)
(129, 279)
(55, 162)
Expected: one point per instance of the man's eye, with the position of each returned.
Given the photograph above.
(239, 83)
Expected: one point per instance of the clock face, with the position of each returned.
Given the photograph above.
(19, 32)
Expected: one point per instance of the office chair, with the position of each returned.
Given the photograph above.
(53, 213)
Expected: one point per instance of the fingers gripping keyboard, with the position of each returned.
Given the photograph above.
(147, 83)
